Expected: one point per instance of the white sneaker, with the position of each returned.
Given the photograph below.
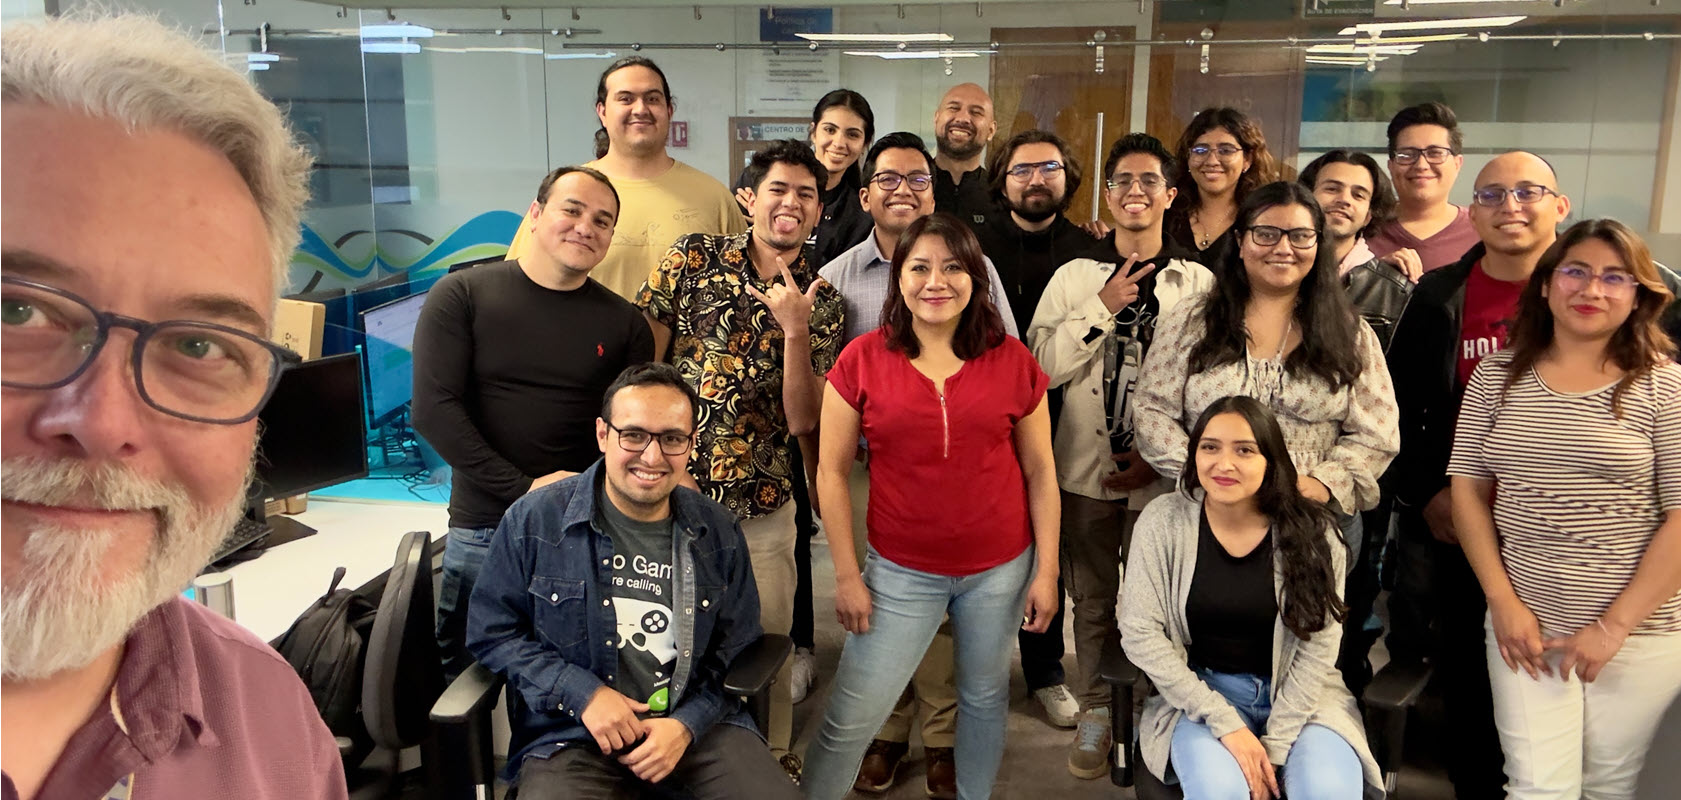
(804, 673)
(1061, 709)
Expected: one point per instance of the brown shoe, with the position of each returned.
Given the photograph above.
(942, 773)
(881, 766)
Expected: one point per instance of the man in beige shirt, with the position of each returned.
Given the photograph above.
(663, 198)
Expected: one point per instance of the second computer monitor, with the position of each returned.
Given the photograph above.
(311, 433)
(390, 349)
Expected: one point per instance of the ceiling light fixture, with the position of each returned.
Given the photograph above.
(900, 55)
(1432, 25)
(397, 31)
(888, 38)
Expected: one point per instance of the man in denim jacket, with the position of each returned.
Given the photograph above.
(614, 601)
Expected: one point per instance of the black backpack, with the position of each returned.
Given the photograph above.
(327, 646)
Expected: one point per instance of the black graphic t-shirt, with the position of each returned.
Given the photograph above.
(642, 600)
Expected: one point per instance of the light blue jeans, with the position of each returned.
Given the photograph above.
(906, 608)
(1321, 765)
(464, 555)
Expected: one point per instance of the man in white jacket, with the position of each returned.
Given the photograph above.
(1090, 332)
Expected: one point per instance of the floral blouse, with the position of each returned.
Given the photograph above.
(729, 346)
(1345, 438)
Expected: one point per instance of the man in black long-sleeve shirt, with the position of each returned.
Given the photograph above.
(510, 363)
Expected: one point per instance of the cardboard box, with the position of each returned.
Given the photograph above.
(299, 325)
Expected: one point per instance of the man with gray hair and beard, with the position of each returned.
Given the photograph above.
(151, 201)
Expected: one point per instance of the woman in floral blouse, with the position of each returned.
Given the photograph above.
(1277, 328)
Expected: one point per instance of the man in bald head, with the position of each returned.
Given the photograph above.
(963, 124)
(1457, 315)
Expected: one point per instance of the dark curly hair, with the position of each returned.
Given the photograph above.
(1327, 320)
(1383, 194)
(1310, 600)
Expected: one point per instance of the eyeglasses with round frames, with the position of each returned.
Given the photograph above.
(1435, 154)
(1201, 152)
(198, 371)
(1613, 282)
(1046, 169)
(637, 441)
(1123, 182)
(890, 181)
(1495, 196)
(1269, 236)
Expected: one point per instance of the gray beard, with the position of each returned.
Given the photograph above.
(62, 607)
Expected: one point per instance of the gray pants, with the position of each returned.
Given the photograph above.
(726, 763)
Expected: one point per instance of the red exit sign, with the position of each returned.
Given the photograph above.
(679, 135)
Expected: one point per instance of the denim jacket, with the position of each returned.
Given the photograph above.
(541, 614)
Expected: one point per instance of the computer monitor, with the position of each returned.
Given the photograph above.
(311, 433)
(390, 349)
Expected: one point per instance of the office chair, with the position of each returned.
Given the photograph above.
(462, 714)
(402, 676)
(1389, 698)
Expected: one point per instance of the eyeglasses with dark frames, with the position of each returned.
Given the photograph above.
(1435, 154)
(198, 371)
(890, 181)
(637, 441)
(1046, 169)
(1269, 236)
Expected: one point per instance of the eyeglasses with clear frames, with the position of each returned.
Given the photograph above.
(1202, 151)
(890, 181)
(1046, 169)
(1149, 183)
(1613, 282)
(197, 371)
(1495, 196)
(637, 441)
(1435, 154)
(1269, 236)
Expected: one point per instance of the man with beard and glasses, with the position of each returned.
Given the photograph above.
(963, 124)
(151, 205)
(663, 198)
(614, 716)
(1034, 177)
(748, 322)
(1090, 333)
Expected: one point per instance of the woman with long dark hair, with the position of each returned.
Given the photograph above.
(1232, 605)
(1567, 496)
(1277, 327)
(842, 128)
(1225, 157)
(964, 512)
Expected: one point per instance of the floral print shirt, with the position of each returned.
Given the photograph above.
(729, 346)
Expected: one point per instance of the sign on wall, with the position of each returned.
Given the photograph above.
(789, 83)
(781, 24)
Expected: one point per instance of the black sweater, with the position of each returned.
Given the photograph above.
(1026, 261)
(508, 380)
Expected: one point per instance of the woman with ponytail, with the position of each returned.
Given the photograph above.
(1232, 605)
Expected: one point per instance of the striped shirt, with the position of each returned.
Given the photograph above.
(1579, 493)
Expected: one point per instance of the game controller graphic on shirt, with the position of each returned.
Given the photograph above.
(647, 626)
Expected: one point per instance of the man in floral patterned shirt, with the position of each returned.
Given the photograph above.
(746, 319)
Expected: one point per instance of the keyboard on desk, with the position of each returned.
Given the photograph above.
(246, 533)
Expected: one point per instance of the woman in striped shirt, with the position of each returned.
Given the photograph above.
(1567, 494)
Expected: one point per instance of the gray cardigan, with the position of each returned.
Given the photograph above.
(1306, 686)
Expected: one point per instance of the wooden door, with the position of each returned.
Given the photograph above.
(1059, 89)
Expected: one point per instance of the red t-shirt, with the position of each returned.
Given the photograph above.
(1490, 307)
(946, 490)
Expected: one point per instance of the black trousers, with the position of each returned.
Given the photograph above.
(725, 763)
(1436, 611)
(802, 631)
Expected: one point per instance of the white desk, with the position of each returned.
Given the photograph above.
(269, 592)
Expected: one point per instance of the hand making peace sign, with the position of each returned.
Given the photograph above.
(1122, 288)
(790, 306)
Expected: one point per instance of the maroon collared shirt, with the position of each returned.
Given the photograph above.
(208, 710)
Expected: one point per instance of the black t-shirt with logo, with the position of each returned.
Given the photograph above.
(642, 601)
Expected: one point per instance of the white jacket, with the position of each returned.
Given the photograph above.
(1061, 337)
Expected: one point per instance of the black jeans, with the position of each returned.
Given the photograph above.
(1436, 612)
(1360, 594)
(725, 763)
(802, 632)
(1041, 653)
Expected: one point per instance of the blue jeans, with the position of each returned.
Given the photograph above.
(464, 554)
(906, 608)
(1321, 765)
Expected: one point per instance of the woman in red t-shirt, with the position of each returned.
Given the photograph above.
(962, 489)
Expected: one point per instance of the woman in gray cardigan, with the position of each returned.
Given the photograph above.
(1232, 605)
